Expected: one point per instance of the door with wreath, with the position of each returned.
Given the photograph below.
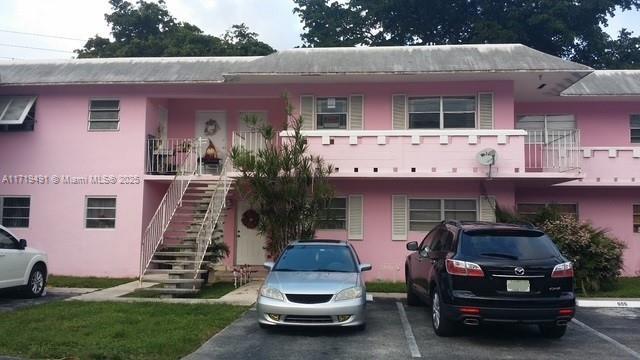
(250, 245)
(212, 127)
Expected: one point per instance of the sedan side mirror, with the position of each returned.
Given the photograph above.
(365, 267)
(412, 246)
(269, 265)
(22, 243)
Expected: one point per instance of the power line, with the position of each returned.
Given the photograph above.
(37, 48)
(42, 35)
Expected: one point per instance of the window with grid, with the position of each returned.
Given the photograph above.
(425, 214)
(331, 113)
(634, 124)
(334, 216)
(101, 213)
(636, 218)
(15, 211)
(104, 115)
(530, 210)
(443, 112)
(544, 129)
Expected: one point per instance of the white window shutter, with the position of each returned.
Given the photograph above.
(487, 209)
(356, 112)
(399, 112)
(485, 111)
(399, 217)
(307, 111)
(355, 223)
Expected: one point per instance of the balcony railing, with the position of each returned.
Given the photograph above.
(250, 140)
(552, 151)
(444, 153)
(168, 156)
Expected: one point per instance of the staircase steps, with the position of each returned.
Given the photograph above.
(173, 291)
(174, 272)
(180, 253)
(176, 281)
(176, 262)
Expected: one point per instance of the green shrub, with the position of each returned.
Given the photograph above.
(596, 256)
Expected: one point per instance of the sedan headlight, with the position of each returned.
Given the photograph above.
(350, 293)
(271, 293)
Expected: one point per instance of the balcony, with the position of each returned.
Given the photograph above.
(609, 166)
(447, 153)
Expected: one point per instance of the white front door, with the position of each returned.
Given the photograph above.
(249, 249)
(212, 126)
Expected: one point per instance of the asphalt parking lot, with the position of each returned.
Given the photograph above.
(598, 334)
(11, 300)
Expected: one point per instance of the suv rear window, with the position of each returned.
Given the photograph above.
(515, 245)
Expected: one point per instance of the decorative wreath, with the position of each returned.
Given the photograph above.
(250, 219)
(211, 127)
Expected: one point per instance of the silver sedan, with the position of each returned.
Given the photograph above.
(314, 283)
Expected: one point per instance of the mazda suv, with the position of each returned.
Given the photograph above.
(478, 272)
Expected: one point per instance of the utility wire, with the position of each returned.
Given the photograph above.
(42, 35)
(36, 48)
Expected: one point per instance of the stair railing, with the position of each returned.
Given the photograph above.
(154, 233)
(217, 204)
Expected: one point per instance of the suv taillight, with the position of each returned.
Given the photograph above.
(564, 270)
(464, 268)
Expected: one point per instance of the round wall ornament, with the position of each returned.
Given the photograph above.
(211, 127)
(250, 219)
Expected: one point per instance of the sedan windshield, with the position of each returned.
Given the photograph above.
(328, 258)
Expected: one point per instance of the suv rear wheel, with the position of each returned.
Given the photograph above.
(441, 325)
(552, 331)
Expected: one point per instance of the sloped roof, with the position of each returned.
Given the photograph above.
(607, 83)
(119, 70)
(355, 60)
(411, 59)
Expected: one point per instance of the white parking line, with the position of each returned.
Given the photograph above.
(408, 333)
(620, 346)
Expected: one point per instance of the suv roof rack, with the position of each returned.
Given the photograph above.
(462, 223)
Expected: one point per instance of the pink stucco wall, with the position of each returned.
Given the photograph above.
(607, 208)
(61, 145)
(377, 248)
(600, 123)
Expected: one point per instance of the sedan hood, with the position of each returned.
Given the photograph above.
(307, 282)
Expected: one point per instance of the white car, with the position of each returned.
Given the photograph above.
(20, 266)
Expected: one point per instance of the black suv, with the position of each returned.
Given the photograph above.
(473, 272)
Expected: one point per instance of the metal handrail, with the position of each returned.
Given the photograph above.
(251, 140)
(154, 233)
(553, 150)
(212, 216)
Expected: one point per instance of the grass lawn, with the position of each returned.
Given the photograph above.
(386, 287)
(86, 282)
(103, 330)
(211, 291)
(626, 287)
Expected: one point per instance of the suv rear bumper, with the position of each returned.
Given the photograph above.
(546, 311)
(508, 315)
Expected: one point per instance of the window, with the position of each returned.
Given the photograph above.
(530, 210)
(101, 213)
(17, 113)
(636, 218)
(7, 241)
(446, 112)
(634, 124)
(331, 113)
(424, 214)
(543, 129)
(334, 216)
(104, 115)
(15, 211)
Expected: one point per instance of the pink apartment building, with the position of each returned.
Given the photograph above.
(118, 167)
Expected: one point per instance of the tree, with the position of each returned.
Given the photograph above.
(148, 29)
(286, 185)
(565, 28)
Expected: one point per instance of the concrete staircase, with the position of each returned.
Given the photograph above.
(175, 264)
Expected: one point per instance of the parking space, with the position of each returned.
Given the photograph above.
(10, 301)
(600, 334)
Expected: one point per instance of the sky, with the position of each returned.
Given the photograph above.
(74, 21)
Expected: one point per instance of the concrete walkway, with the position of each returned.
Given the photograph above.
(245, 295)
